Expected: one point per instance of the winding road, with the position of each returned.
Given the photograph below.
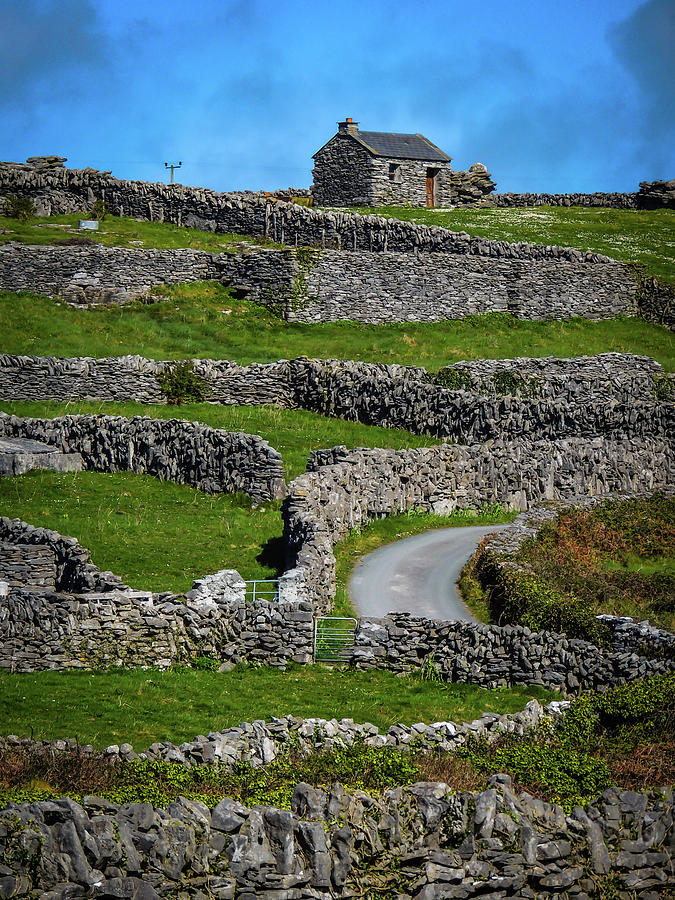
(417, 574)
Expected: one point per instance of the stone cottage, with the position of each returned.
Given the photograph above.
(377, 168)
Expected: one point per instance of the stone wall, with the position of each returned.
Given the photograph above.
(61, 190)
(617, 376)
(345, 489)
(206, 458)
(424, 840)
(494, 656)
(330, 285)
(89, 619)
(22, 564)
(64, 564)
(42, 629)
(610, 394)
(261, 742)
(615, 200)
(651, 195)
(419, 287)
(98, 274)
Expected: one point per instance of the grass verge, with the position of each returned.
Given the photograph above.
(362, 541)
(639, 236)
(203, 320)
(293, 432)
(618, 558)
(146, 705)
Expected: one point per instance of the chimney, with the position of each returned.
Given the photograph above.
(348, 127)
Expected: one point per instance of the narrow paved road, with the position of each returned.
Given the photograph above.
(417, 574)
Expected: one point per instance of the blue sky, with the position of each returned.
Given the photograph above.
(552, 95)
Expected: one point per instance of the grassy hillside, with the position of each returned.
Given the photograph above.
(115, 231)
(202, 319)
(638, 236)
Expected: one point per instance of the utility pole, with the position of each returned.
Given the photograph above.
(172, 167)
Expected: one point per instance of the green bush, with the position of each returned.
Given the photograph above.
(98, 210)
(205, 663)
(452, 379)
(21, 208)
(181, 385)
(513, 383)
(568, 760)
(519, 597)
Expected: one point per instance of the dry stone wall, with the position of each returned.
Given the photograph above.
(98, 274)
(261, 742)
(592, 284)
(206, 458)
(651, 195)
(423, 841)
(326, 286)
(22, 564)
(614, 199)
(622, 377)
(497, 656)
(60, 190)
(611, 394)
(43, 629)
(418, 287)
(345, 489)
(64, 564)
(84, 618)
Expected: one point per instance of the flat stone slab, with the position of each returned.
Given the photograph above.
(21, 455)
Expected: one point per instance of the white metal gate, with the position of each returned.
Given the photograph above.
(263, 589)
(333, 638)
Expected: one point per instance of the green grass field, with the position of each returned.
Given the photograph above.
(203, 320)
(143, 706)
(646, 237)
(116, 231)
(156, 535)
(637, 236)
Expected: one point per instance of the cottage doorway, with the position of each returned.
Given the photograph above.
(431, 186)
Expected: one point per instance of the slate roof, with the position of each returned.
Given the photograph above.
(400, 146)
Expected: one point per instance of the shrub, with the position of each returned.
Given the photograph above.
(21, 208)
(98, 210)
(181, 385)
(452, 379)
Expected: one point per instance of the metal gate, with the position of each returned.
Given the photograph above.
(263, 589)
(333, 638)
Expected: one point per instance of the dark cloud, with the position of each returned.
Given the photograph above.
(644, 43)
(45, 39)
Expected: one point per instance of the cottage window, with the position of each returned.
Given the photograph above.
(395, 172)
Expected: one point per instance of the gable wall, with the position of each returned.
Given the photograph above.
(342, 174)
